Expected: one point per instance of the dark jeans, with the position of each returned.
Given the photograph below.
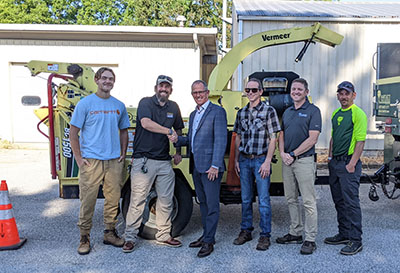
(208, 194)
(248, 173)
(345, 194)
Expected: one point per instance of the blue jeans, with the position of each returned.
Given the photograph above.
(248, 173)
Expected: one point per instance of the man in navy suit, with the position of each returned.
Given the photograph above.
(206, 142)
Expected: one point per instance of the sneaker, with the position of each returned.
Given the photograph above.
(308, 248)
(289, 239)
(244, 236)
(84, 246)
(336, 240)
(171, 242)
(128, 246)
(111, 238)
(263, 243)
(351, 248)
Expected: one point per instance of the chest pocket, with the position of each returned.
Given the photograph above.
(260, 125)
(245, 124)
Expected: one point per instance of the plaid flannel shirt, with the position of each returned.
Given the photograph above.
(254, 125)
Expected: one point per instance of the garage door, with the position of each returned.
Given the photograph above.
(24, 121)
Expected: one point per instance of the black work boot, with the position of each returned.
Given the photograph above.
(352, 248)
(308, 248)
(289, 239)
(336, 240)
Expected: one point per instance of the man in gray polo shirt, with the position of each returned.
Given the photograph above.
(301, 126)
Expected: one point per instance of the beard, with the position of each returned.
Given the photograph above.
(162, 98)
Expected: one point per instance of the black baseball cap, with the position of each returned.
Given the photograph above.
(348, 86)
(163, 78)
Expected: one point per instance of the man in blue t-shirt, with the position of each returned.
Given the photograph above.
(103, 123)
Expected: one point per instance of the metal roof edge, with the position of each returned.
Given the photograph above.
(318, 18)
(97, 28)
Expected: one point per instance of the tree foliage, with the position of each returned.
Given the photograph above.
(198, 13)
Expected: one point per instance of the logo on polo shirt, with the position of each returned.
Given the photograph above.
(302, 115)
(170, 115)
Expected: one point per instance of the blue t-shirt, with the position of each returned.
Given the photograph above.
(99, 121)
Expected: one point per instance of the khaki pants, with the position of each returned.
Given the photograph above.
(301, 176)
(161, 173)
(109, 173)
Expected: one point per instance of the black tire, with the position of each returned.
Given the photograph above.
(182, 211)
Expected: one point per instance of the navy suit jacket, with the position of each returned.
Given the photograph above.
(209, 143)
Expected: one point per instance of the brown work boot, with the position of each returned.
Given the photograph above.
(84, 246)
(111, 238)
(244, 236)
(263, 243)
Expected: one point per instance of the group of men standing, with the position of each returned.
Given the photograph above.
(102, 122)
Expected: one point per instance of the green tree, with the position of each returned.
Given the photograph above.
(152, 13)
(100, 12)
(199, 13)
(24, 12)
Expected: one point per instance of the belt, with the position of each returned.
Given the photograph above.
(251, 156)
(341, 157)
(303, 156)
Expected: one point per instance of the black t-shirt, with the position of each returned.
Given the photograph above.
(296, 124)
(155, 145)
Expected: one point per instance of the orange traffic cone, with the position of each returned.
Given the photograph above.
(9, 238)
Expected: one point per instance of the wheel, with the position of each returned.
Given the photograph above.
(181, 213)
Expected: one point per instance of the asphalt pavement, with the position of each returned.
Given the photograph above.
(49, 224)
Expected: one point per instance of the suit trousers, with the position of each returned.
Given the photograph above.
(207, 192)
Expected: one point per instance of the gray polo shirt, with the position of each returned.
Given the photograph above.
(296, 124)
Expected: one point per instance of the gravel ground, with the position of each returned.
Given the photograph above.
(49, 223)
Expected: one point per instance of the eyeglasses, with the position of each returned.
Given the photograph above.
(253, 90)
(199, 92)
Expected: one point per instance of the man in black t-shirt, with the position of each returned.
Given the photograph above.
(156, 116)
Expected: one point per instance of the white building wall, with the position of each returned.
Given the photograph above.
(137, 66)
(325, 67)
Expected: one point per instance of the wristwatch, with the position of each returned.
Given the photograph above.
(170, 132)
(292, 154)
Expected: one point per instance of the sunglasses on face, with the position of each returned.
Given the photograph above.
(252, 90)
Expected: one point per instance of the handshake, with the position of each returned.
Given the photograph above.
(173, 138)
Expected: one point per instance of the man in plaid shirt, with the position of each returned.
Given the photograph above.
(256, 126)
